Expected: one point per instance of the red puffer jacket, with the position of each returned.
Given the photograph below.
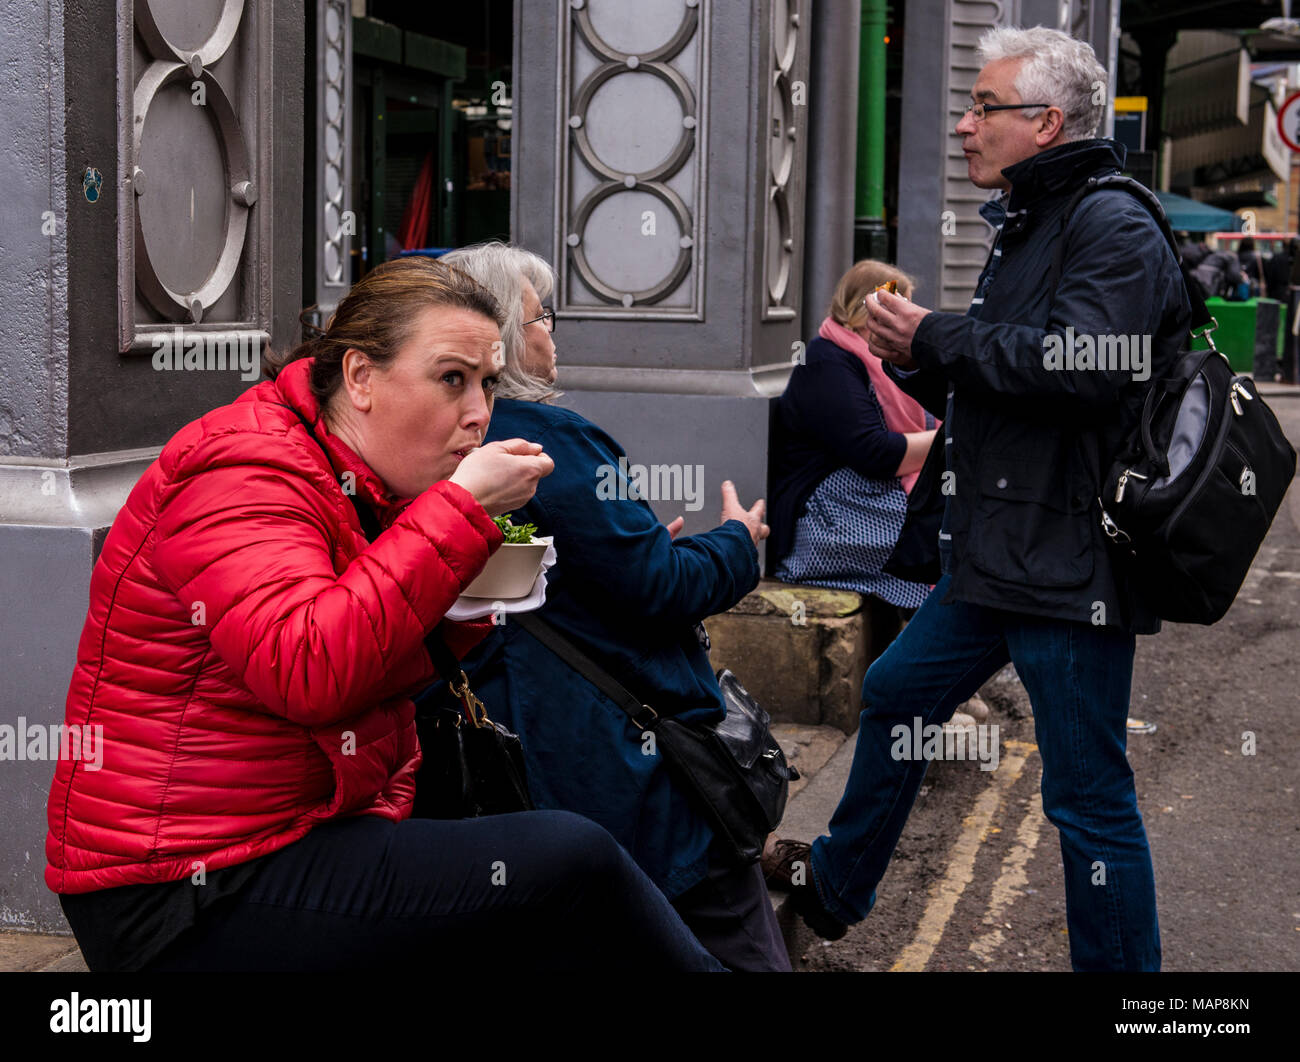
(249, 655)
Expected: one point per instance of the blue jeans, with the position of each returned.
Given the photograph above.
(1078, 678)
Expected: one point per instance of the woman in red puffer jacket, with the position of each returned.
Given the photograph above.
(250, 657)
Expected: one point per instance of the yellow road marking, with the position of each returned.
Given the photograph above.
(1011, 880)
(945, 893)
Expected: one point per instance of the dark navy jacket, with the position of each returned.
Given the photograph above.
(630, 597)
(1031, 444)
(828, 418)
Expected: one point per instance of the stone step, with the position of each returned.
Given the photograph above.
(802, 651)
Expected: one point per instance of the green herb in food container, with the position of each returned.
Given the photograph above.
(515, 535)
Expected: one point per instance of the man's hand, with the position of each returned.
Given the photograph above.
(892, 322)
(674, 528)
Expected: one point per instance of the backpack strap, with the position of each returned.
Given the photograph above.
(1200, 315)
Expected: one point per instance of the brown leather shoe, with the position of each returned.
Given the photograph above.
(778, 862)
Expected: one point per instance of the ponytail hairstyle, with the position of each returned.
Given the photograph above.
(378, 315)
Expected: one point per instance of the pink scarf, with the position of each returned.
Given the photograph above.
(902, 412)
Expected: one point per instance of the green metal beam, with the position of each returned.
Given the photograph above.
(429, 53)
(376, 40)
(869, 189)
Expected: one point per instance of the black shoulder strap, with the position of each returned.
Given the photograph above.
(439, 652)
(1200, 315)
(641, 714)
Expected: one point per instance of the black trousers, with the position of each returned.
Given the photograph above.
(729, 911)
(534, 891)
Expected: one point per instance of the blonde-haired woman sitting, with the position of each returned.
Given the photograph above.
(847, 446)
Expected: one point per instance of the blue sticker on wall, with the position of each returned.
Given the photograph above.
(91, 181)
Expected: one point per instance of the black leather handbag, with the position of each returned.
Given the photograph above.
(472, 766)
(734, 771)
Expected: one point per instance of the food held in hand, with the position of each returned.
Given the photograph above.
(512, 570)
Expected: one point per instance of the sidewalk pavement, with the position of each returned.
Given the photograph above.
(38, 952)
(809, 809)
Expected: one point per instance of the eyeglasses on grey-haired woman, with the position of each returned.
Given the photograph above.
(548, 315)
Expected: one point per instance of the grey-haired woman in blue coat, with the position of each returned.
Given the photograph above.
(631, 594)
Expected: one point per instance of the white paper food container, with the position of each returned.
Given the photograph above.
(510, 572)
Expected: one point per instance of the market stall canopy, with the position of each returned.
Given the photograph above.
(1187, 215)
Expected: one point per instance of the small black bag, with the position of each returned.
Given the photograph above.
(472, 766)
(734, 771)
(1193, 491)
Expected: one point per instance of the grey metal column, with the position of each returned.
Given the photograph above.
(923, 150)
(942, 240)
(175, 201)
(659, 162)
(833, 115)
(1097, 22)
(335, 221)
(1054, 14)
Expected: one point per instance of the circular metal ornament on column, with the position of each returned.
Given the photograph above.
(180, 305)
(780, 246)
(660, 54)
(207, 53)
(675, 158)
(579, 256)
(614, 180)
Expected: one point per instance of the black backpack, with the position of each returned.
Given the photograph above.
(1192, 493)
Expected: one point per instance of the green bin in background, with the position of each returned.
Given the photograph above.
(1235, 335)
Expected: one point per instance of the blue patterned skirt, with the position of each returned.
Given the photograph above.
(846, 534)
